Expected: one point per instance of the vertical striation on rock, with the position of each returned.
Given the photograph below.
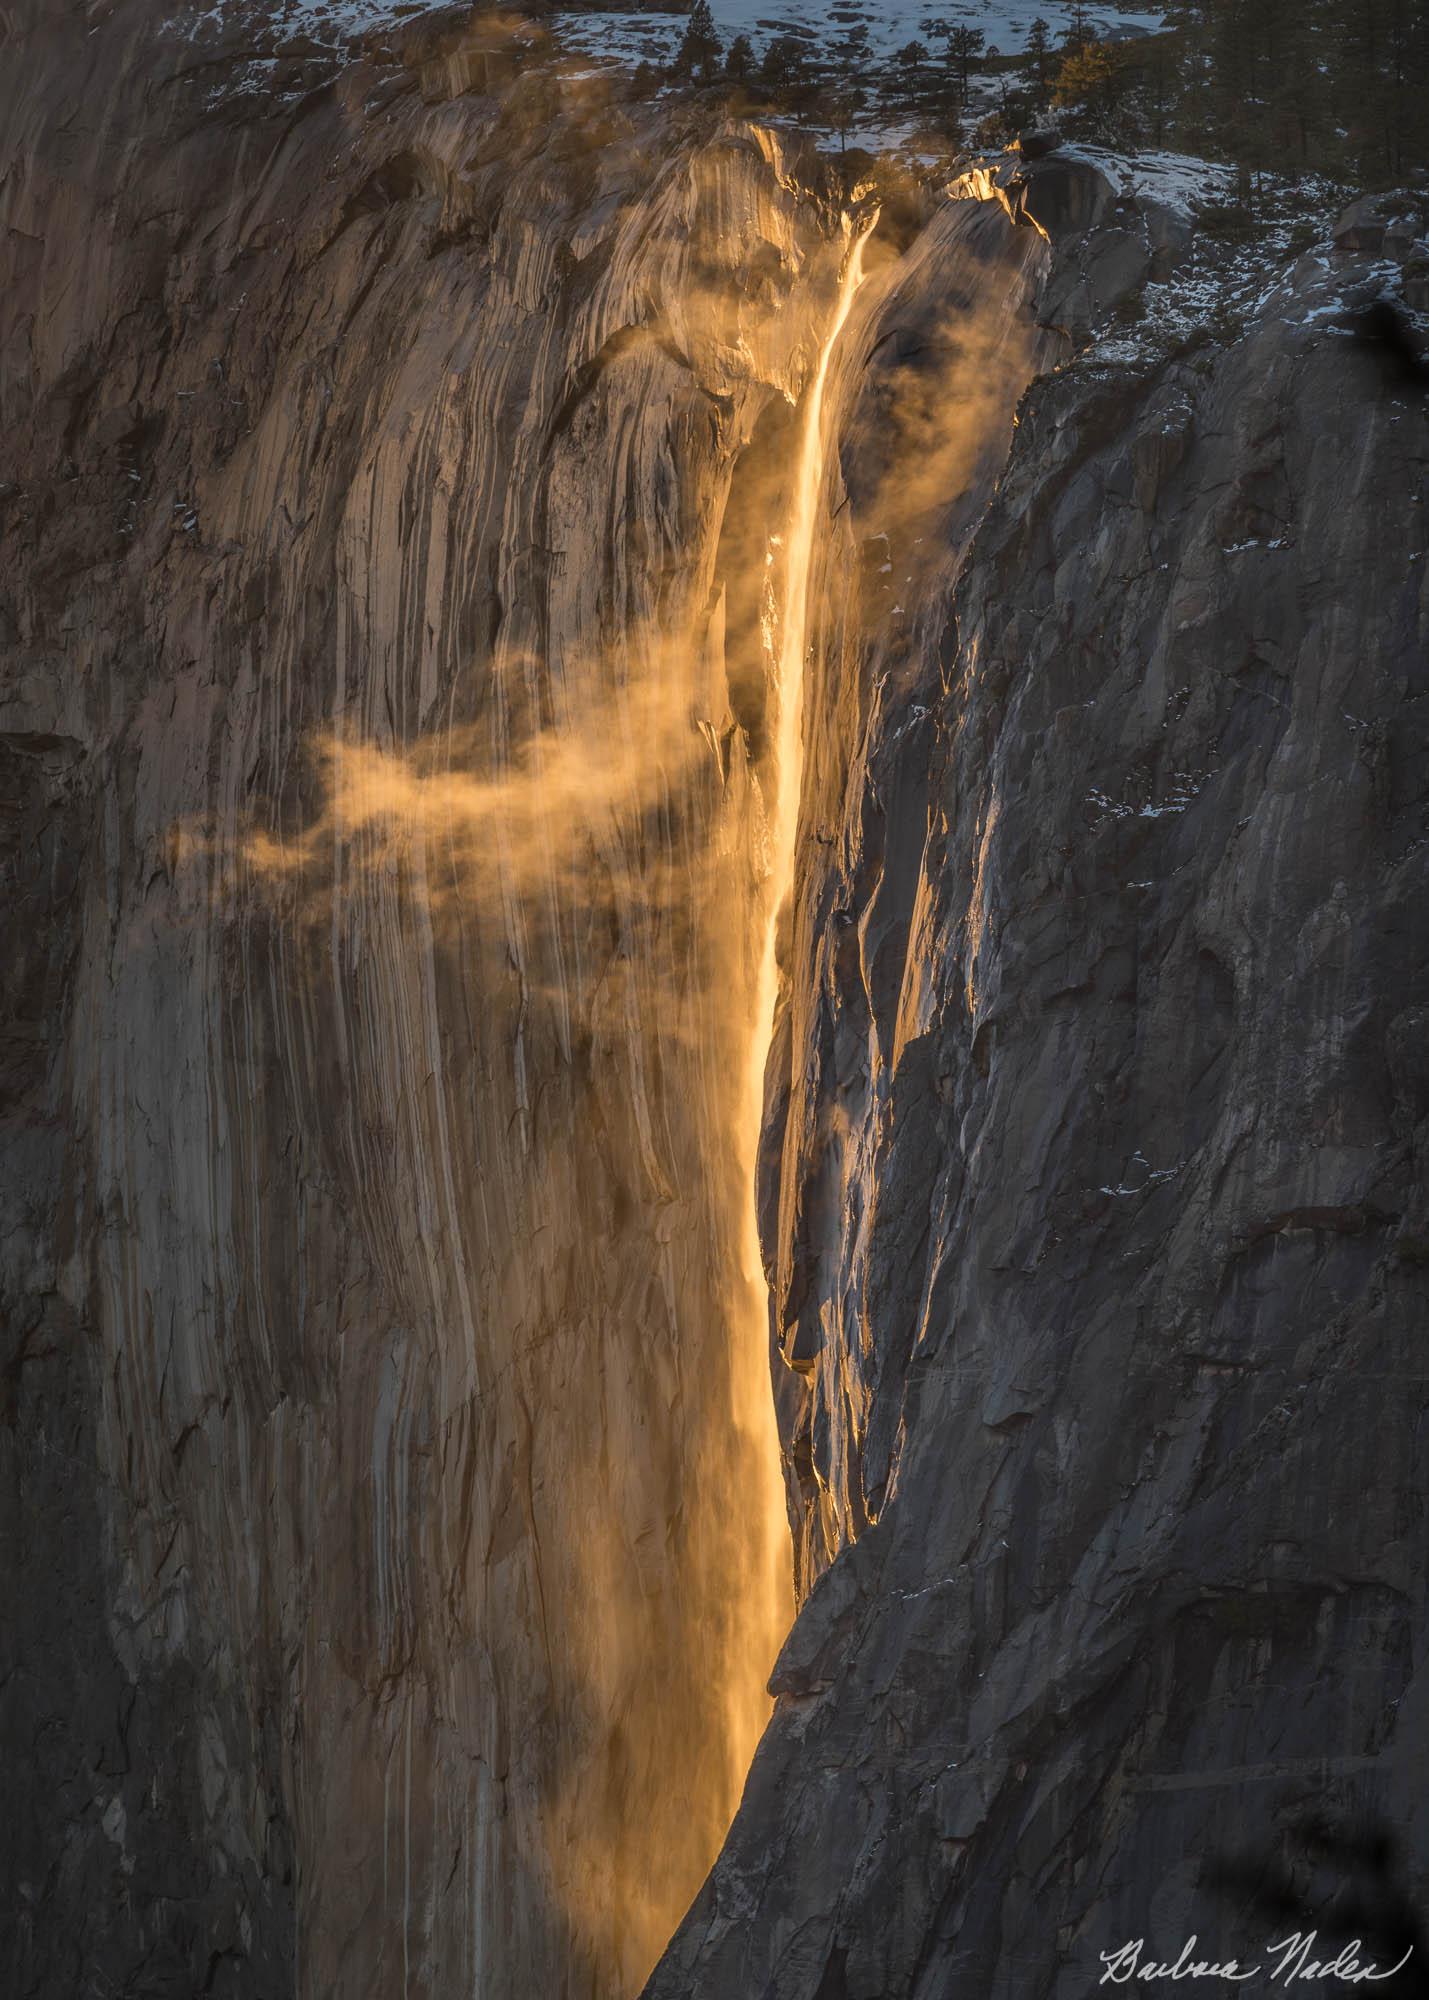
(926, 386)
(391, 760)
(369, 456)
(1099, 1197)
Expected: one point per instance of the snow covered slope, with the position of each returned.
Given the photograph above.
(627, 35)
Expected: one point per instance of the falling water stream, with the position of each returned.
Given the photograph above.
(769, 1622)
(794, 640)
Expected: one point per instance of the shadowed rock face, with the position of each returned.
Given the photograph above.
(1116, 1346)
(386, 1513)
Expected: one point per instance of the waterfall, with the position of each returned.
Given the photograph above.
(435, 1315)
(558, 754)
(787, 645)
(794, 630)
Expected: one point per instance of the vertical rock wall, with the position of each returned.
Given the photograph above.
(1099, 1214)
(388, 866)
(386, 490)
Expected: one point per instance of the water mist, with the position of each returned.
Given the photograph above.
(575, 852)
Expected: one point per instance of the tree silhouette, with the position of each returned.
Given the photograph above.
(965, 46)
(1039, 49)
(1338, 88)
(699, 52)
(786, 70)
(845, 101)
(1077, 32)
(910, 81)
(739, 63)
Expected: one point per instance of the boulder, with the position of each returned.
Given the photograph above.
(1378, 222)
(1036, 145)
(1062, 193)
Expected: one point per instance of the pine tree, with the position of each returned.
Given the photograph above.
(1154, 79)
(1296, 108)
(739, 62)
(1381, 64)
(845, 101)
(965, 47)
(786, 71)
(1077, 32)
(1338, 87)
(1407, 85)
(1091, 84)
(910, 87)
(699, 53)
(1039, 49)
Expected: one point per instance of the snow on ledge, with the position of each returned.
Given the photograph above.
(1174, 180)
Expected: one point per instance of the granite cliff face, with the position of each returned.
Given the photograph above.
(386, 599)
(1101, 1217)
(387, 879)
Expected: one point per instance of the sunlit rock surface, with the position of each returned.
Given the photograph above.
(387, 482)
(399, 1569)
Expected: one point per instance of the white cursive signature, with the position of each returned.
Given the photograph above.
(1126, 1963)
(1293, 1961)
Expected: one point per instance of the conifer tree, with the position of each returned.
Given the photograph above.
(699, 52)
(911, 78)
(1077, 32)
(965, 46)
(786, 71)
(1039, 49)
(1154, 78)
(739, 63)
(1091, 84)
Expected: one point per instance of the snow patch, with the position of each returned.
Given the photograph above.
(629, 37)
(1175, 180)
(332, 22)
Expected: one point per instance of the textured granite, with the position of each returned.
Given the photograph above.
(1101, 1218)
(387, 1399)
(386, 1503)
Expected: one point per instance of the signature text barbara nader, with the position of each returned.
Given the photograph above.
(1295, 1960)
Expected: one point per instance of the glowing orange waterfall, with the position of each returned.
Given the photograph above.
(771, 1580)
(793, 647)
